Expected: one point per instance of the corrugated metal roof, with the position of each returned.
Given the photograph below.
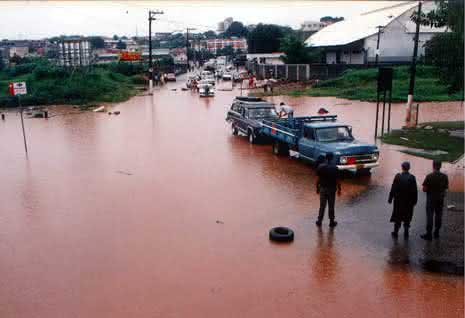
(358, 27)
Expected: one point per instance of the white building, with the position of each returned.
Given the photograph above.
(312, 26)
(354, 41)
(266, 58)
(74, 52)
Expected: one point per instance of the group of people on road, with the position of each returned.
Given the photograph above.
(404, 195)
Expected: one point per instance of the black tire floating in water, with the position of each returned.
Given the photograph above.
(281, 234)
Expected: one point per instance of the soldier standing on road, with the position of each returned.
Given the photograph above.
(404, 192)
(327, 184)
(435, 185)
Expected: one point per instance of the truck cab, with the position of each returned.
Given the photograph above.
(246, 115)
(319, 138)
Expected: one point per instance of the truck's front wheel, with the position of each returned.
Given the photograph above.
(280, 149)
(234, 130)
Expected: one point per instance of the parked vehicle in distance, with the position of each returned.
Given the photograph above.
(314, 136)
(206, 89)
(190, 80)
(208, 76)
(246, 115)
(227, 76)
(171, 77)
(36, 112)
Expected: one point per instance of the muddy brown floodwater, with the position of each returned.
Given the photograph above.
(160, 212)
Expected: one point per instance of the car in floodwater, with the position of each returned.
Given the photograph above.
(206, 89)
(246, 115)
(171, 77)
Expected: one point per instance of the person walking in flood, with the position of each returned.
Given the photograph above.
(326, 186)
(435, 185)
(404, 193)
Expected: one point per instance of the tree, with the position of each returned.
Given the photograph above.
(115, 37)
(2, 63)
(266, 38)
(96, 42)
(296, 52)
(16, 59)
(236, 29)
(209, 34)
(329, 19)
(121, 45)
(226, 51)
(445, 50)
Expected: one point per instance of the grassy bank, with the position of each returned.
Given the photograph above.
(432, 140)
(361, 85)
(50, 84)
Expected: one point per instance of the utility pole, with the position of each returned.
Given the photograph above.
(187, 45)
(380, 28)
(413, 68)
(152, 17)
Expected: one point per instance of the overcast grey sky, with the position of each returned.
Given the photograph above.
(38, 19)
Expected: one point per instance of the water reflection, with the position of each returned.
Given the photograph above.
(325, 266)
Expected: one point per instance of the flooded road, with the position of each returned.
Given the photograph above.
(160, 212)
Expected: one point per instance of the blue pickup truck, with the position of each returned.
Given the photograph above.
(313, 136)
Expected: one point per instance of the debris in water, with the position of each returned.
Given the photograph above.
(124, 172)
(117, 112)
(403, 138)
(100, 109)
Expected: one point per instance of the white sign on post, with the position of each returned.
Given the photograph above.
(19, 88)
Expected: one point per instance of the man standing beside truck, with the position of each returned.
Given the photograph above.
(327, 184)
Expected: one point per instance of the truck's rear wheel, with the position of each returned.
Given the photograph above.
(251, 136)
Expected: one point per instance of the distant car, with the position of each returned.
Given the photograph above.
(246, 115)
(206, 89)
(171, 77)
(227, 76)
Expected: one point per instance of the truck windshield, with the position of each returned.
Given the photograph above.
(332, 134)
(262, 113)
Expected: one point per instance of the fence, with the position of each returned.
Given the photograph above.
(299, 72)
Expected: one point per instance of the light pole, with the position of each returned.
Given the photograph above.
(380, 30)
(413, 68)
(152, 17)
(187, 46)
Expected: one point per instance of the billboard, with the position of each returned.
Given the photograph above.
(130, 56)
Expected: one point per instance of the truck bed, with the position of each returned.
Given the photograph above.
(290, 130)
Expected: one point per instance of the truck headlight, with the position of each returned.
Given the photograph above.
(375, 156)
(343, 160)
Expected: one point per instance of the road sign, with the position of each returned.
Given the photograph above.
(18, 88)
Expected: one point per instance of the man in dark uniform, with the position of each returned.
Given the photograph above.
(435, 186)
(404, 192)
(326, 185)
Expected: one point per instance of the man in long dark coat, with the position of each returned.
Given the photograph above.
(404, 192)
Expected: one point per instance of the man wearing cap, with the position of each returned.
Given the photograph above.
(435, 186)
(404, 192)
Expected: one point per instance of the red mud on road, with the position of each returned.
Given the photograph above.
(160, 212)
